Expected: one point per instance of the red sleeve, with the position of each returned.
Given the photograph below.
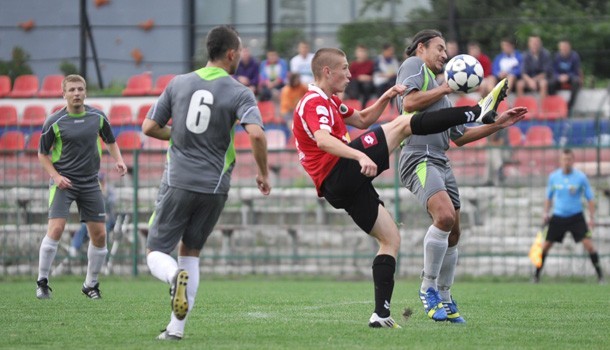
(345, 110)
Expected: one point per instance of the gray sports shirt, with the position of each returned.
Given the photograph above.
(73, 138)
(414, 74)
(204, 106)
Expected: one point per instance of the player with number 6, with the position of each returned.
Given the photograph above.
(205, 105)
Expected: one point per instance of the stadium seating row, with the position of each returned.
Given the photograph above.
(551, 107)
(27, 86)
(142, 85)
(35, 114)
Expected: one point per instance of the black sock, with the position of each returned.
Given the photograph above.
(595, 261)
(383, 278)
(541, 266)
(432, 122)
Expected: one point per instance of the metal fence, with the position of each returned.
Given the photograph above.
(294, 232)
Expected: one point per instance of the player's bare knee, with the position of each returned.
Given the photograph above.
(444, 220)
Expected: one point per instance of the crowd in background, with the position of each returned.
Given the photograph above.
(533, 70)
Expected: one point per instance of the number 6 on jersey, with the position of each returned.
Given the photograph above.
(198, 116)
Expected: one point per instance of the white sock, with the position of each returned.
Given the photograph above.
(447, 273)
(96, 257)
(435, 246)
(162, 266)
(191, 265)
(46, 255)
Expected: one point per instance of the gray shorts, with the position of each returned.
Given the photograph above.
(424, 177)
(88, 197)
(181, 214)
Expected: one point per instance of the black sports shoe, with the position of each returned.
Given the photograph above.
(43, 291)
(92, 292)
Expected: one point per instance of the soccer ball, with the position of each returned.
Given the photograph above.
(463, 73)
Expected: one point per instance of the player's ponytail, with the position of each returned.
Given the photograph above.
(423, 37)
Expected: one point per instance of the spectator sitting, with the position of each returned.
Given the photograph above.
(247, 70)
(507, 64)
(361, 83)
(568, 73)
(537, 69)
(386, 67)
(474, 50)
(301, 63)
(273, 74)
(290, 96)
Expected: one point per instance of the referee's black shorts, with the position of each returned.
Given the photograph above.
(347, 188)
(576, 224)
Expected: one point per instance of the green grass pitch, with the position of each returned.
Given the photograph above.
(305, 313)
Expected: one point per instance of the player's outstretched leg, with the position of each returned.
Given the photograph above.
(179, 300)
(432, 304)
(489, 104)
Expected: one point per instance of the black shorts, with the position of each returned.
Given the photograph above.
(346, 188)
(576, 224)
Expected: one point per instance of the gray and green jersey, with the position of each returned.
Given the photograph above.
(414, 74)
(73, 143)
(204, 106)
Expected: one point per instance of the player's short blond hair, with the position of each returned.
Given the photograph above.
(73, 78)
(325, 57)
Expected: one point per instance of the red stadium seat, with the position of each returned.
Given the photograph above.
(51, 86)
(464, 101)
(25, 86)
(13, 140)
(120, 114)
(5, 85)
(553, 107)
(33, 115)
(530, 102)
(142, 112)
(129, 140)
(515, 136)
(267, 109)
(138, 85)
(8, 115)
(241, 140)
(539, 135)
(33, 141)
(57, 108)
(161, 84)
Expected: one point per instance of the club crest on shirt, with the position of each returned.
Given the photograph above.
(369, 139)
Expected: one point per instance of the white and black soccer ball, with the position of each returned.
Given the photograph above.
(463, 73)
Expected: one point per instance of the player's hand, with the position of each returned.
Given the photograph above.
(262, 182)
(591, 225)
(62, 182)
(121, 168)
(511, 116)
(368, 168)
